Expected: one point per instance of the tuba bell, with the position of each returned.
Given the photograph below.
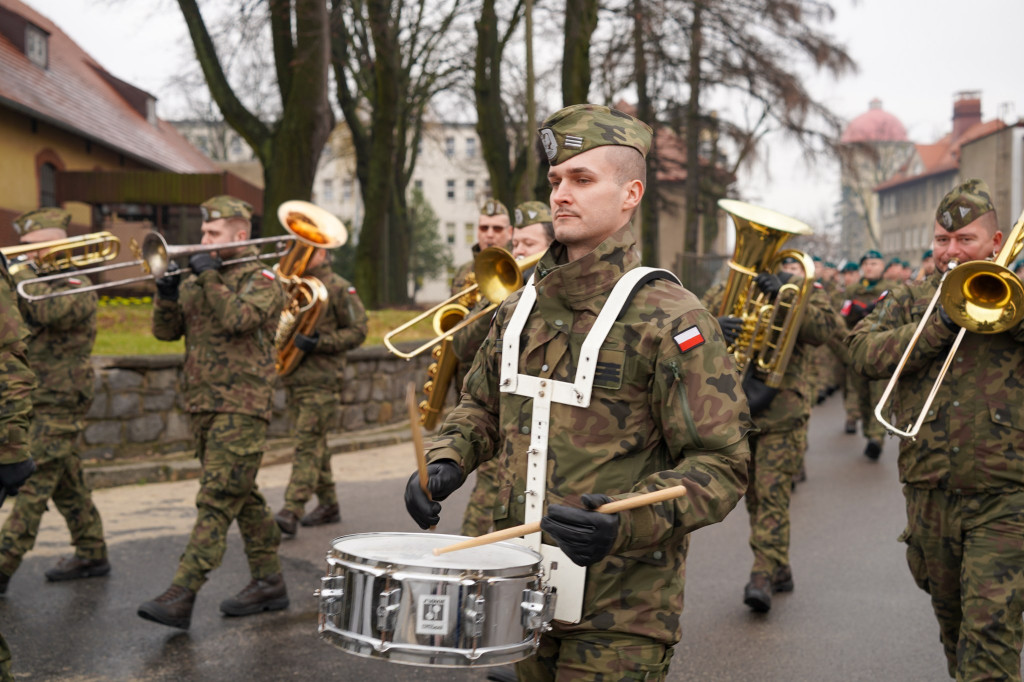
(768, 334)
(313, 228)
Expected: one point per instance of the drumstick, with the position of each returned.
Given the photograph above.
(417, 439)
(528, 528)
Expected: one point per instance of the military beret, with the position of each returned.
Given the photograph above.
(927, 254)
(894, 261)
(871, 254)
(850, 266)
(582, 127)
(789, 260)
(816, 259)
(225, 206)
(964, 204)
(530, 212)
(493, 207)
(40, 219)
(830, 264)
(1018, 265)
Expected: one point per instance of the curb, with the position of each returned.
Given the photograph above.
(183, 465)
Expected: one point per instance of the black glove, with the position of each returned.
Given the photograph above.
(13, 475)
(769, 284)
(443, 478)
(585, 536)
(201, 262)
(306, 343)
(731, 327)
(167, 286)
(759, 395)
(947, 320)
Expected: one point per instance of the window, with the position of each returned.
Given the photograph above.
(471, 191)
(417, 184)
(470, 147)
(346, 189)
(328, 190)
(449, 233)
(450, 189)
(236, 147)
(47, 185)
(36, 46)
(449, 147)
(470, 234)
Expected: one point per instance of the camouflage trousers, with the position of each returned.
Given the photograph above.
(867, 393)
(775, 457)
(312, 414)
(230, 449)
(967, 552)
(53, 437)
(595, 656)
(5, 661)
(478, 519)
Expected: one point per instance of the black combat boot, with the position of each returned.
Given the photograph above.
(267, 594)
(4, 580)
(74, 568)
(851, 426)
(323, 514)
(172, 608)
(758, 593)
(287, 521)
(782, 579)
(874, 450)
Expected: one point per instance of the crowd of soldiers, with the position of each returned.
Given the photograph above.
(609, 379)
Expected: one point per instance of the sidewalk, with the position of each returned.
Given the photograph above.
(183, 465)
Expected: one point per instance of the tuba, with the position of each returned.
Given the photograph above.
(313, 228)
(768, 335)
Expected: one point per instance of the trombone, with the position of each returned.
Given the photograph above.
(156, 259)
(58, 254)
(498, 275)
(983, 297)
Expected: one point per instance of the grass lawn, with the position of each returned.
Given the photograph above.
(124, 327)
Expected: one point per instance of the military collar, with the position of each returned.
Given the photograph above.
(593, 274)
(868, 283)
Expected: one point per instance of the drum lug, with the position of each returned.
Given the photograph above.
(473, 617)
(538, 607)
(331, 594)
(388, 603)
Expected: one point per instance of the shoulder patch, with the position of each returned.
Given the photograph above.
(818, 285)
(688, 339)
(351, 290)
(882, 296)
(74, 281)
(269, 274)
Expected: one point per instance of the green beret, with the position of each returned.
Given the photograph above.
(40, 219)
(816, 259)
(850, 266)
(1018, 265)
(964, 204)
(894, 261)
(789, 260)
(225, 206)
(871, 254)
(830, 264)
(927, 254)
(582, 127)
(530, 212)
(493, 207)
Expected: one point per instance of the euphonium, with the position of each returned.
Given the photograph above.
(766, 340)
(313, 228)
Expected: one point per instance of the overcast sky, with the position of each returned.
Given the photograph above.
(913, 55)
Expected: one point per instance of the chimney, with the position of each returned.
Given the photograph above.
(966, 111)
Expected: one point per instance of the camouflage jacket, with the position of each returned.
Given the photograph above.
(342, 327)
(228, 318)
(62, 332)
(972, 438)
(659, 417)
(818, 325)
(16, 379)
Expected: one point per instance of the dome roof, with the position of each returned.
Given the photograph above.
(874, 125)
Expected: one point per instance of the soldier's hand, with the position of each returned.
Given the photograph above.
(13, 475)
(947, 320)
(586, 536)
(731, 327)
(167, 286)
(443, 478)
(306, 343)
(769, 284)
(201, 262)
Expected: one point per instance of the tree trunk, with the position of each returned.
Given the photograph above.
(580, 22)
(649, 209)
(490, 125)
(693, 128)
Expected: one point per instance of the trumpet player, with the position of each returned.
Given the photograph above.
(963, 475)
(228, 316)
(62, 331)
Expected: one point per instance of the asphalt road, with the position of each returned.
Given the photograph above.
(855, 613)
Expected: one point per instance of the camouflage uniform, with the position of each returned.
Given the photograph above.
(860, 390)
(313, 391)
(62, 332)
(228, 318)
(659, 417)
(777, 452)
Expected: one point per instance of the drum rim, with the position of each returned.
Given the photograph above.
(533, 567)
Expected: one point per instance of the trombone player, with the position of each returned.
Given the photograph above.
(963, 475)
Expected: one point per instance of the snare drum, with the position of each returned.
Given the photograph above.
(387, 596)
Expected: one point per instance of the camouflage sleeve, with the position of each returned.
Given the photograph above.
(699, 405)
(168, 320)
(468, 340)
(819, 321)
(352, 323)
(16, 379)
(878, 341)
(258, 299)
(62, 312)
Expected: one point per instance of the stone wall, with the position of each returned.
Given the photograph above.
(138, 410)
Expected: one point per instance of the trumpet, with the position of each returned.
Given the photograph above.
(497, 273)
(59, 254)
(983, 297)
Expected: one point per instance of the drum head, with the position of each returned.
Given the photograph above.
(417, 550)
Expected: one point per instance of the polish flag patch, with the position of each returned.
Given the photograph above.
(74, 281)
(351, 290)
(269, 274)
(688, 339)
